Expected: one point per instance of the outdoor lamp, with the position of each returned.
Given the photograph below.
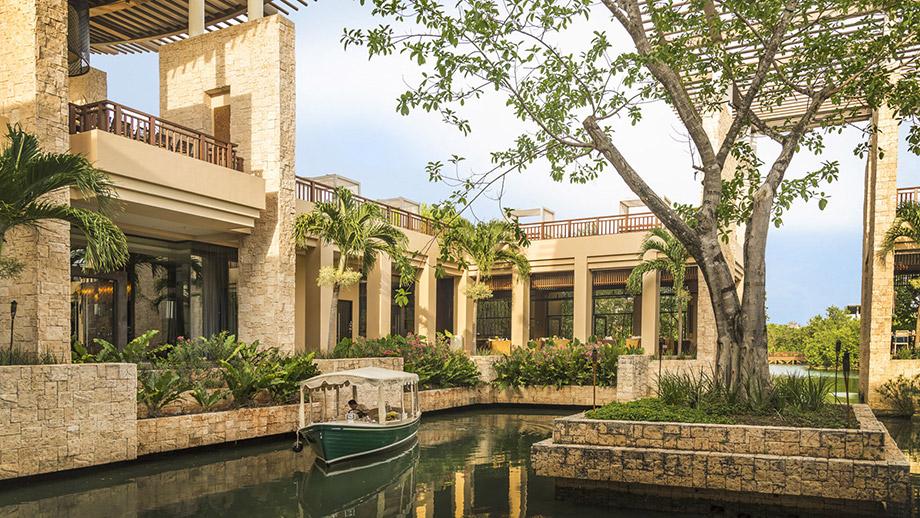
(594, 374)
(846, 374)
(13, 306)
(836, 364)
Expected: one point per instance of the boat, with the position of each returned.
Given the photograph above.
(344, 432)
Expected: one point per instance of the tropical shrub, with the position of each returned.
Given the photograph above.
(435, 363)
(901, 393)
(158, 388)
(137, 350)
(289, 372)
(18, 357)
(568, 364)
(202, 352)
(247, 377)
(207, 398)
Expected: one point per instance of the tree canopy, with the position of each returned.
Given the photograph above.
(789, 70)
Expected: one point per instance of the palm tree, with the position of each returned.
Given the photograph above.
(486, 244)
(361, 232)
(27, 175)
(905, 228)
(670, 256)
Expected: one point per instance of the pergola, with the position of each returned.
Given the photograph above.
(794, 106)
(133, 26)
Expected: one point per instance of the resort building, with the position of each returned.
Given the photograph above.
(209, 192)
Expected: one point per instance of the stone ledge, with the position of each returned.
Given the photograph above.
(572, 395)
(865, 443)
(840, 479)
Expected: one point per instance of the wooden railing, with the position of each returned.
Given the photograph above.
(908, 194)
(308, 190)
(597, 226)
(136, 125)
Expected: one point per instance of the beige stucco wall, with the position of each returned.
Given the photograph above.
(33, 93)
(59, 417)
(253, 64)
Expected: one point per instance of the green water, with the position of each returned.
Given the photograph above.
(466, 463)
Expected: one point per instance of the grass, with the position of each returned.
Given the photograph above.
(653, 410)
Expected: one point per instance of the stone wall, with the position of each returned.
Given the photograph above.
(832, 469)
(91, 87)
(188, 431)
(33, 93)
(486, 366)
(326, 365)
(442, 399)
(58, 417)
(252, 64)
(632, 377)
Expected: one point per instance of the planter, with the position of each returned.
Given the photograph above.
(852, 470)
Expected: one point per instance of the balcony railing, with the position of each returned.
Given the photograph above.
(908, 194)
(136, 125)
(597, 226)
(308, 190)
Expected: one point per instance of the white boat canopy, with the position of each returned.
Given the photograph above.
(374, 376)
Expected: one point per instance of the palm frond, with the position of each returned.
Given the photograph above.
(906, 226)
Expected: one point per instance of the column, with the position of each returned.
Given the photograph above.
(520, 311)
(319, 299)
(582, 311)
(426, 297)
(650, 313)
(379, 297)
(254, 62)
(301, 282)
(878, 274)
(195, 17)
(466, 314)
(255, 9)
(33, 93)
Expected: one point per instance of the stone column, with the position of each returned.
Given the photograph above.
(33, 93)
(632, 377)
(878, 274)
(650, 313)
(520, 311)
(253, 64)
(91, 87)
(379, 297)
(582, 313)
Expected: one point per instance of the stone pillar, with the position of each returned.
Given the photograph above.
(520, 310)
(195, 17)
(33, 93)
(255, 9)
(632, 377)
(582, 313)
(253, 64)
(379, 297)
(466, 314)
(91, 87)
(878, 274)
(426, 300)
(649, 340)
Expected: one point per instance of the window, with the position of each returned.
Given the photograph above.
(551, 313)
(182, 289)
(667, 320)
(402, 318)
(362, 308)
(615, 314)
(493, 318)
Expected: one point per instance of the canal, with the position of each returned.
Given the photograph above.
(467, 463)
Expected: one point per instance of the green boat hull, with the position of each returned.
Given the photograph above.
(339, 441)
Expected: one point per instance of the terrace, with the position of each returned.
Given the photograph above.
(136, 125)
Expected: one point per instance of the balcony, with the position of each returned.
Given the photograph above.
(172, 182)
(136, 125)
(908, 194)
(310, 191)
(585, 227)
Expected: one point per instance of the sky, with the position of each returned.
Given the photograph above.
(347, 124)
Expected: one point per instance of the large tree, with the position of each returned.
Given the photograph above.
(361, 232)
(28, 176)
(556, 67)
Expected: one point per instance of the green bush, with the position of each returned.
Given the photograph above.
(158, 388)
(289, 372)
(135, 351)
(561, 365)
(206, 397)
(202, 352)
(902, 393)
(435, 363)
(656, 411)
(17, 357)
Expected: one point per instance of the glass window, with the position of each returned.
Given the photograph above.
(402, 318)
(362, 308)
(181, 289)
(614, 314)
(551, 313)
(493, 318)
(667, 320)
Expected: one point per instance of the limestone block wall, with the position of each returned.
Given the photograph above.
(486, 366)
(33, 93)
(858, 471)
(59, 417)
(252, 64)
(89, 88)
(340, 364)
(632, 377)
